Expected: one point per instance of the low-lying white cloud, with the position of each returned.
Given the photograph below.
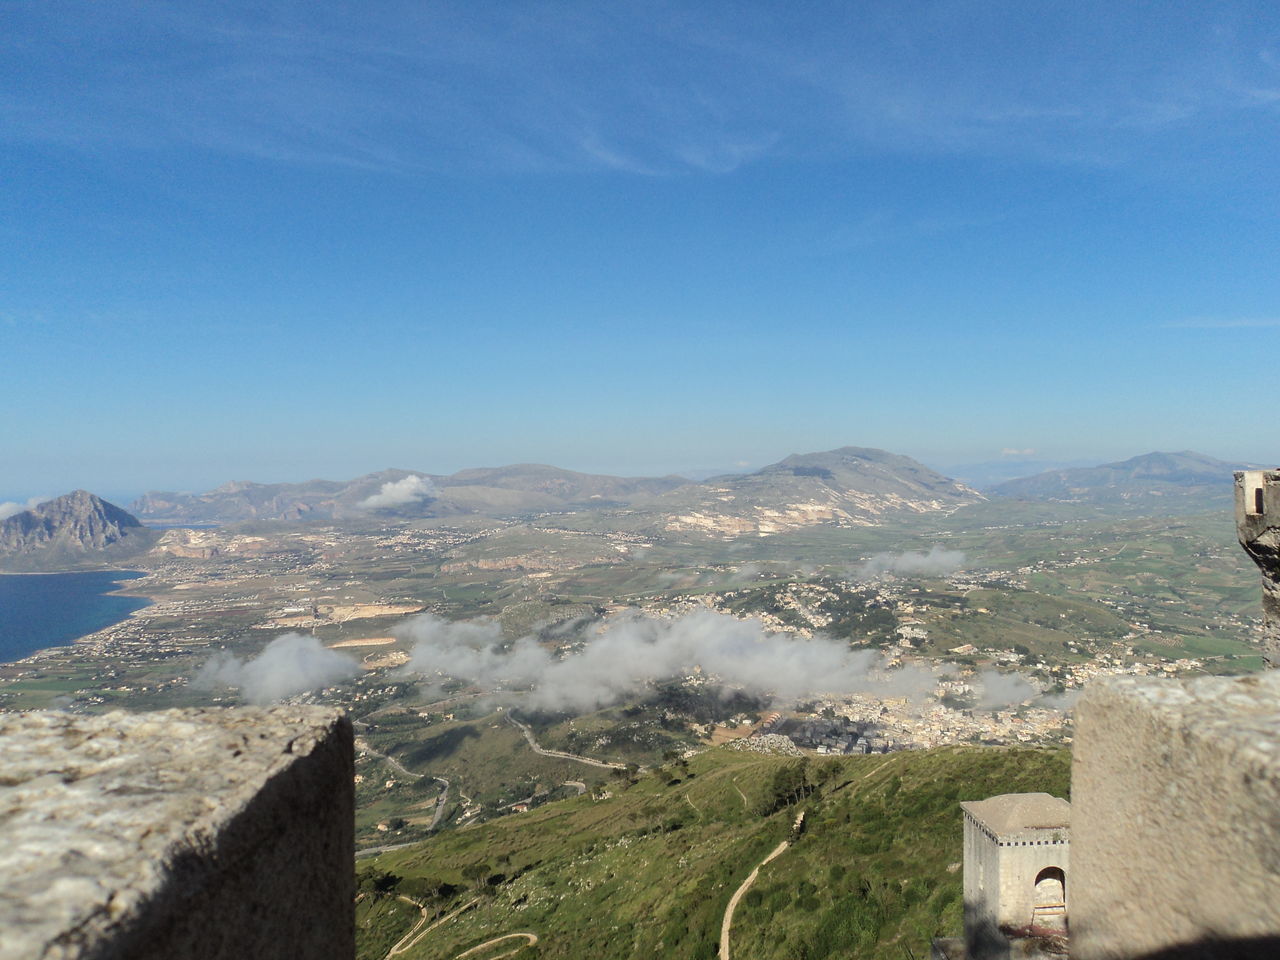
(400, 493)
(936, 562)
(996, 689)
(290, 664)
(1059, 701)
(10, 507)
(629, 652)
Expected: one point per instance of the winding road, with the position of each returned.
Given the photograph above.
(559, 754)
(399, 767)
(440, 803)
(411, 939)
(392, 762)
(374, 851)
(421, 929)
(529, 940)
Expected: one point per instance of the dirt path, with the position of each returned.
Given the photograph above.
(697, 809)
(559, 754)
(738, 894)
(401, 945)
(414, 936)
(529, 940)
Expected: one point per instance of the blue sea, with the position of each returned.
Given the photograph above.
(53, 609)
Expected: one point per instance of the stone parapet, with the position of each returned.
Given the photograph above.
(1175, 832)
(181, 833)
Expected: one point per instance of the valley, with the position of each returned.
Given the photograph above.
(647, 866)
(513, 778)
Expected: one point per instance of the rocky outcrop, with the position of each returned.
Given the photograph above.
(76, 523)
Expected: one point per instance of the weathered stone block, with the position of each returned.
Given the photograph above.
(1175, 834)
(182, 833)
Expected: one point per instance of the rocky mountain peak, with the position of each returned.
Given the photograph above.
(75, 522)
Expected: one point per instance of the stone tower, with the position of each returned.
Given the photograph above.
(1258, 527)
(1015, 869)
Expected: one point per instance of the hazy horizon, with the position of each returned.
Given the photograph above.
(1019, 464)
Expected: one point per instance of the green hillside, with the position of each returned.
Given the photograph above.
(650, 869)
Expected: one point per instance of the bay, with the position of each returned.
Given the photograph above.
(53, 609)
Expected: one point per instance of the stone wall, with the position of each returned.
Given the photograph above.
(1175, 794)
(981, 892)
(183, 833)
(1258, 528)
(1020, 862)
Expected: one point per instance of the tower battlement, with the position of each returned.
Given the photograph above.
(1016, 856)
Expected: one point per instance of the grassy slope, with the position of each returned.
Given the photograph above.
(649, 870)
(484, 758)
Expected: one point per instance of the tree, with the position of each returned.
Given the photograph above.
(789, 784)
(377, 882)
(475, 872)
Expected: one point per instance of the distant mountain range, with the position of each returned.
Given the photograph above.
(75, 526)
(987, 474)
(1147, 479)
(497, 491)
(852, 484)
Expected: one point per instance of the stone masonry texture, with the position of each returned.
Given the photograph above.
(212, 833)
(1258, 527)
(1175, 832)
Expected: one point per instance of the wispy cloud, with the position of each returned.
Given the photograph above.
(624, 87)
(10, 508)
(1220, 323)
(938, 561)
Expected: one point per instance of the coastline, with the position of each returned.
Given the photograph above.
(119, 588)
(57, 573)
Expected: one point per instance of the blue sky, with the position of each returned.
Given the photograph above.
(282, 240)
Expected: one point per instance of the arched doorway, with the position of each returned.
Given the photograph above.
(1051, 899)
